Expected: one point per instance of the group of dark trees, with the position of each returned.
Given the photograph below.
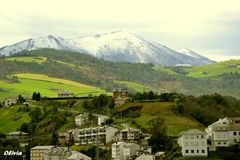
(151, 96)
(36, 96)
(208, 108)
(101, 103)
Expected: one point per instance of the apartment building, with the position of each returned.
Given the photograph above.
(38, 152)
(225, 132)
(130, 134)
(124, 151)
(94, 135)
(193, 143)
(9, 101)
(117, 151)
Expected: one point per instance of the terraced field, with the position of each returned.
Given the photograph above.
(47, 86)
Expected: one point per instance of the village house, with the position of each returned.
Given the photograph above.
(225, 132)
(22, 137)
(120, 96)
(122, 150)
(102, 119)
(94, 135)
(65, 94)
(65, 137)
(7, 102)
(130, 134)
(81, 119)
(38, 152)
(193, 143)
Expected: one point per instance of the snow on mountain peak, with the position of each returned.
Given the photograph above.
(114, 46)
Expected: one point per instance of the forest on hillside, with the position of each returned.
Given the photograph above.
(89, 70)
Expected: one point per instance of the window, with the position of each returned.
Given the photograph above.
(192, 143)
(192, 151)
(186, 151)
(203, 151)
(197, 151)
(202, 136)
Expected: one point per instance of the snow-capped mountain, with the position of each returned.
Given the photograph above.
(114, 46)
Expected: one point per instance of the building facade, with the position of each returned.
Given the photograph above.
(94, 135)
(130, 134)
(81, 119)
(22, 137)
(193, 143)
(120, 96)
(7, 102)
(38, 152)
(117, 150)
(225, 132)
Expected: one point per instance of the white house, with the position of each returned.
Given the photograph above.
(117, 150)
(122, 150)
(81, 119)
(102, 119)
(9, 101)
(94, 135)
(225, 132)
(193, 143)
(130, 150)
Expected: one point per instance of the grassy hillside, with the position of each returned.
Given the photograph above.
(27, 59)
(176, 123)
(136, 86)
(12, 118)
(47, 86)
(97, 72)
(213, 70)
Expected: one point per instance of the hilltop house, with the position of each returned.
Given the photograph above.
(193, 143)
(7, 102)
(102, 119)
(22, 137)
(94, 135)
(225, 132)
(120, 96)
(65, 94)
(57, 153)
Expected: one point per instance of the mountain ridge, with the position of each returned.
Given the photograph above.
(118, 46)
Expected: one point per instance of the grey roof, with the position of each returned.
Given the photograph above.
(193, 131)
(78, 156)
(43, 147)
(17, 133)
(129, 129)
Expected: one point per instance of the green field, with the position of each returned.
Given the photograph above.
(47, 86)
(213, 70)
(136, 86)
(11, 119)
(27, 59)
(164, 70)
(176, 123)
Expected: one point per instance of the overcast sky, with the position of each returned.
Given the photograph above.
(209, 27)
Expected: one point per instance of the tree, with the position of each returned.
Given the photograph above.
(34, 95)
(38, 96)
(35, 114)
(159, 139)
(24, 127)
